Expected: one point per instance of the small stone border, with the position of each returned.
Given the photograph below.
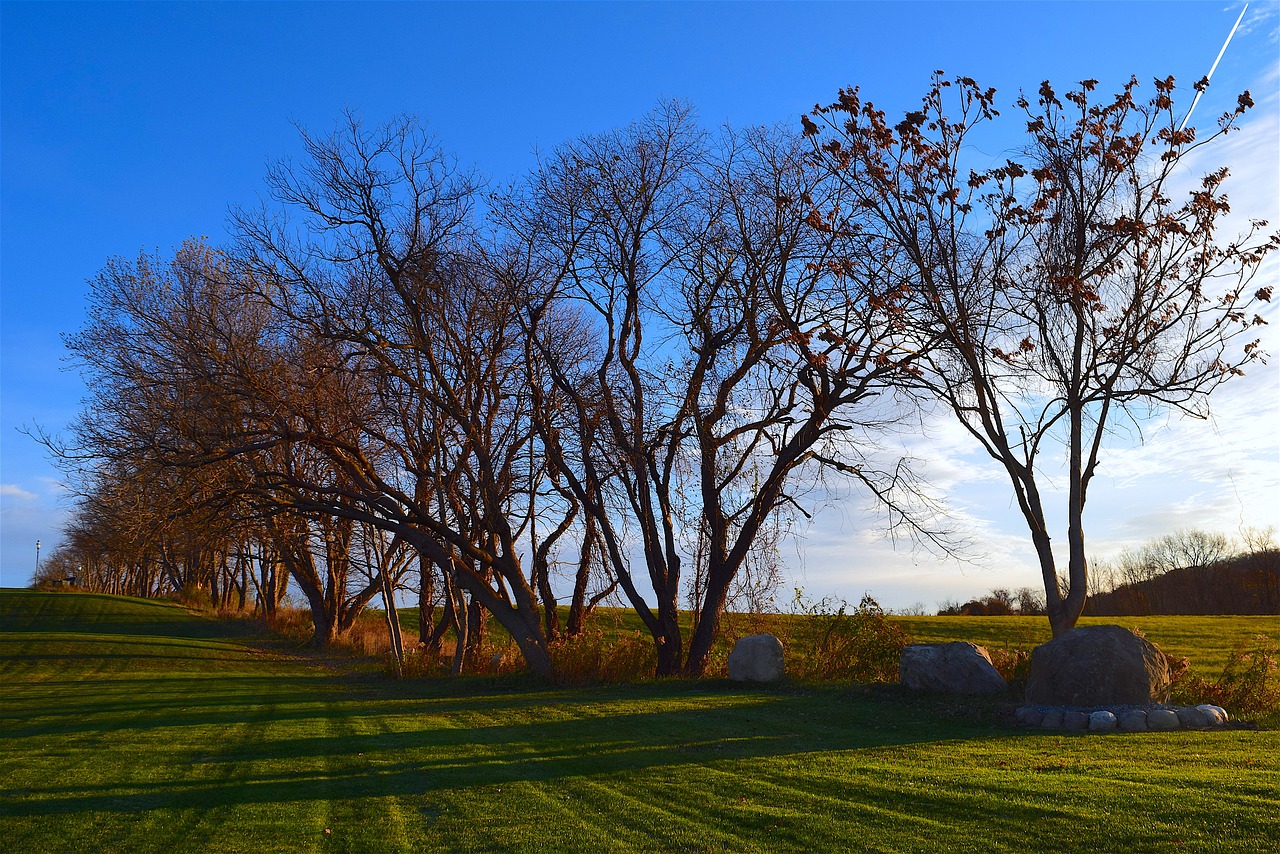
(1102, 719)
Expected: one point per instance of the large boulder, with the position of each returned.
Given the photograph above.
(957, 668)
(1097, 666)
(756, 658)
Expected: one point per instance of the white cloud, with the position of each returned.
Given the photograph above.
(14, 491)
(55, 486)
(1258, 17)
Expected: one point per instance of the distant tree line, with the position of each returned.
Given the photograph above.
(1186, 572)
(1191, 572)
(623, 374)
(1000, 602)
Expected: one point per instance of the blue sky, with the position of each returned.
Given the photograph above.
(132, 126)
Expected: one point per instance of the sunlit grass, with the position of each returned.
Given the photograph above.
(133, 726)
(1204, 640)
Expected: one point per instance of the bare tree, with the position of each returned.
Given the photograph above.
(154, 326)
(382, 268)
(1189, 547)
(726, 350)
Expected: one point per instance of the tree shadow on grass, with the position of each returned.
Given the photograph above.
(296, 731)
(441, 758)
(102, 614)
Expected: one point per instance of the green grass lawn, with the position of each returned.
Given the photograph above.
(129, 725)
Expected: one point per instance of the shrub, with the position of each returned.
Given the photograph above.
(196, 598)
(418, 663)
(1013, 664)
(367, 636)
(1249, 684)
(832, 642)
(292, 624)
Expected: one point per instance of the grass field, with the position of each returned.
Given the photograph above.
(1206, 641)
(130, 725)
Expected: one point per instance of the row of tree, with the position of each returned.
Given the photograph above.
(1186, 572)
(1191, 572)
(1000, 602)
(628, 368)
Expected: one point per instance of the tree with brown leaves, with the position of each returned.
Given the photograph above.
(1062, 293)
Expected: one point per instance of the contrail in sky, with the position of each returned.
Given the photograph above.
(1214, 68)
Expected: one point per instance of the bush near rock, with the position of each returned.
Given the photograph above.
(1097, 666)
(757, 658)
(958, 668)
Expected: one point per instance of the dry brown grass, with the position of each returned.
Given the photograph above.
(594, 656)
(292, 624)
(827, 640)
(1249, 684)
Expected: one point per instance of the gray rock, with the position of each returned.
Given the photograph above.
(1052, 719)
(1134, 720)
(1102, 721)
(757, 658)
(1097, 666)
(1029, 716)
(1074, 721)
(1214, 715)
(1192, 718)
(1163, 720)
(957, 668)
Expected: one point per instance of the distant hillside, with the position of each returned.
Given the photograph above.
(1247, 584)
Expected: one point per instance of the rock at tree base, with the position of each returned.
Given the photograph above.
(1134, 721)
(1162, 720)
(957, 668)
(1029, 716)
(1216, 715)
(756, 658)
(1097, 666)
(1192, 718)
(1074, 721)
(1102, 721)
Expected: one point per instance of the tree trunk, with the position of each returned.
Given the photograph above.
(476, 631)
(426, 597)
(550, 615)
(1077, 563)
(461, 626)
(578, 604)
(669, 642)
(393, 624)
(324, 625)
(704, 634)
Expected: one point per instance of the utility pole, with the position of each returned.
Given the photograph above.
(37, 558)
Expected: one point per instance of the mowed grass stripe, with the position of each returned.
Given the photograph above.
(131, 724)
(657, 812)
(1062, 798)
(782, 799)
(195, 741)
